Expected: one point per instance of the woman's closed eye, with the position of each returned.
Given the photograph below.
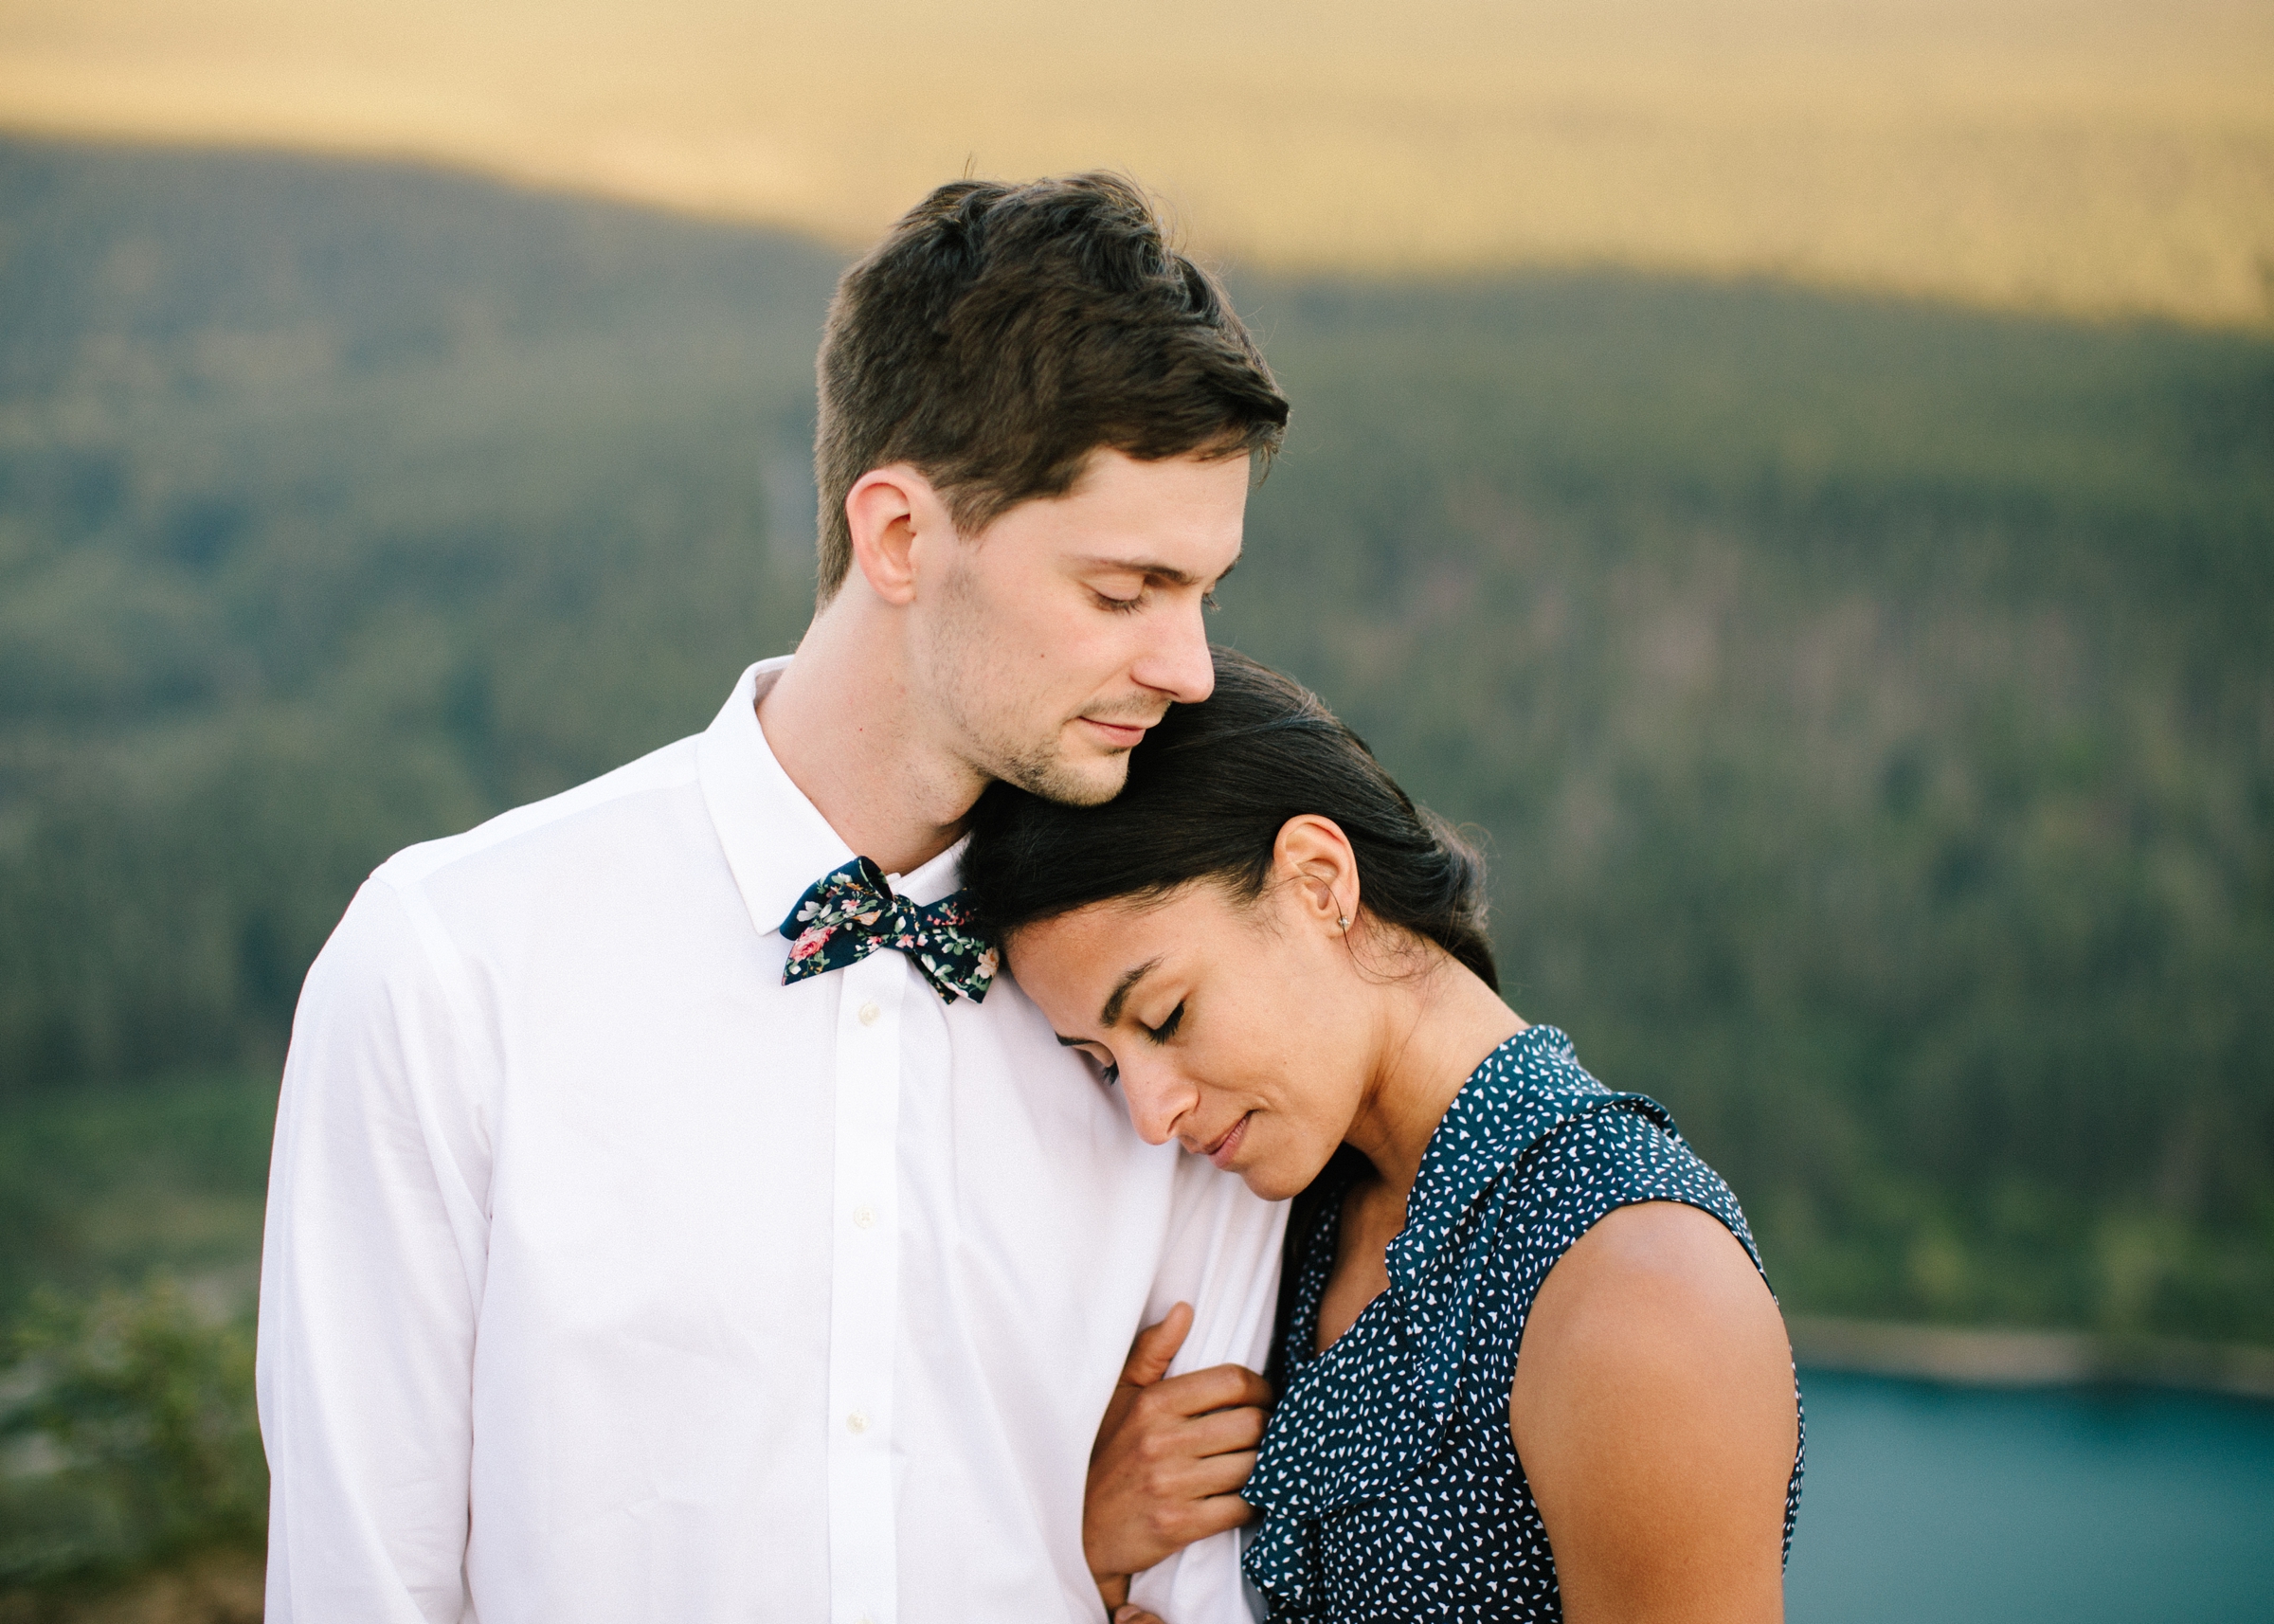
(1167, 1029)
(1100, 1057)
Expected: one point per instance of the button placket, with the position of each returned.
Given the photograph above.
(865, 1292)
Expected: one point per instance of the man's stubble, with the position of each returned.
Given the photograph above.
(1001, 731)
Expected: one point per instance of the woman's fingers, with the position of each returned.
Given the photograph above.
(1201, 1465)
(1180, 1482)
(1202, 1515)
(1218, 1474)
(1222, 1432)
(1218, 1387)
(1219, 1512)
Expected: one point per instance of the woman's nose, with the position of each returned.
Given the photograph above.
(1157, 1099)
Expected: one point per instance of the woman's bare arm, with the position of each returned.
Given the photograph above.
(1653, 1412)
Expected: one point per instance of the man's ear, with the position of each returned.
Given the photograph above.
(1313, 852)
(887, 510)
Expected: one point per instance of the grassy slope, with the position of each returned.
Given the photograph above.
(1866, 702)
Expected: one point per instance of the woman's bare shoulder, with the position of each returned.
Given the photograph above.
(1653, 1409)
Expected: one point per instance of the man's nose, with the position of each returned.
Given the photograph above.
(1178, 664)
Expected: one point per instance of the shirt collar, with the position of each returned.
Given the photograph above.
(776, 840)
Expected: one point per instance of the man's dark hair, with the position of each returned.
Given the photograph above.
(1209, 790)
(1000, 334)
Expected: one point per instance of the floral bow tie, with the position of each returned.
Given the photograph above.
(851, 912)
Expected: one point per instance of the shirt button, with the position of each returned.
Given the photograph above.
(857, 1422)
(869, 1014)
(864, 1217)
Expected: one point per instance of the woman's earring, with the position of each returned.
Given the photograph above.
(1343, 923)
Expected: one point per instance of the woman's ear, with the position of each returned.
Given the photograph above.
(886, 511)
(1315, 854)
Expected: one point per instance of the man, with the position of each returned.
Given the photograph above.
(670, 1218)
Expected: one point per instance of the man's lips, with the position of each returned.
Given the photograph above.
(1121, 734)
(1227, 1145)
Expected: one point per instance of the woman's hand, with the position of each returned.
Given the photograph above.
(1171, 1457)
(1653, 1412)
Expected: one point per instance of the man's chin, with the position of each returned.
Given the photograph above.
(1068, 781)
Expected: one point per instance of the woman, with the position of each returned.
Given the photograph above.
(1530, 1368)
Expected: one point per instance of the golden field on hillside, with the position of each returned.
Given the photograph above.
(2084, 155)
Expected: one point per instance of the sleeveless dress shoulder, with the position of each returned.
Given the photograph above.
(1387, 1482)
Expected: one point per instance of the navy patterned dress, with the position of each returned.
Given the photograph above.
(1388, 1481)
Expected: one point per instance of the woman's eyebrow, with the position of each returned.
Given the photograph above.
(1122, 989)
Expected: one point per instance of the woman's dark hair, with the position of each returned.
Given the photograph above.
(1208, 793)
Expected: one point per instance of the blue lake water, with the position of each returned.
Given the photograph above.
(2088, 1507)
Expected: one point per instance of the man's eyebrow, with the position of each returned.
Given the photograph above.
(1153, 569)
(1122, 989)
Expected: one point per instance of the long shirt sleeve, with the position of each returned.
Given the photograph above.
(371, 1276)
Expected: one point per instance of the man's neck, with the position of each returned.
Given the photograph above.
(848, 726)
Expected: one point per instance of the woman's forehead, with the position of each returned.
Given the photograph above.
(1097, 945)
(1088, 930)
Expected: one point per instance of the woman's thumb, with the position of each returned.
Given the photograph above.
(1156, 1347)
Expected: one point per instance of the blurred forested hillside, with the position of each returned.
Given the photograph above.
(1871, 706)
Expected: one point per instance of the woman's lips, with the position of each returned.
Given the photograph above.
(1225, 1148)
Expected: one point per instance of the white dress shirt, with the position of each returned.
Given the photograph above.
(608, 1279)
